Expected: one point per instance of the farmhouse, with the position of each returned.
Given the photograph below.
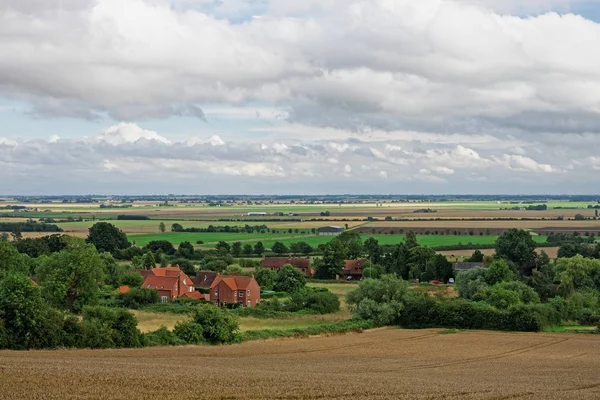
(331, 230)
(170, 282)
(204, 279)
(276, 263)
(463, 266)
(353, 269)
(234, 289)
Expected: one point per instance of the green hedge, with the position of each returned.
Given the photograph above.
(334, 327)
(424, 311)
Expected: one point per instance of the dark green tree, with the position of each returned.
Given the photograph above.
(259, 249)
(265, 278)
(301, 248)
(236, 249)
(517, 246)
(247, 249)
(333, 261)
(289, 279)
(107, 237)
(279, 248)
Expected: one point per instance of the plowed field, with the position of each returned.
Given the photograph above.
(381, 364)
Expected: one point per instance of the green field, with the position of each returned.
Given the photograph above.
(210, 239)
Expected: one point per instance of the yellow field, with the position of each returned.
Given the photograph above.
(380, 364)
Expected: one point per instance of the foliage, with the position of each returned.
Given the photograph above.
(164, 245)
(70, 278)
(107, 237)
(289, 279)
(333, 260)
(517, 245)
(265, 278)
(218, 325)
(185, 265)
(11, 260)
(162, 337)
(317, 301)
(189, 332)
(105, 327)
(138, 297)
(379, 301)
(334, 327)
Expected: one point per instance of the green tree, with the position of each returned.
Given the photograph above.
(247, 249)
(223, 247)
(185, 250)
(372, 250)
(236, 249)
(265, 278)
(333, 261)
(279, 248)
(380, 301)
(411, 240)
(185, 265)
(477, 256)
(259, 249)
(22, 310)
(219, 325)
(301, 248)
(167, 247)
(162, 227)
(148, 260)
(498, 271)
(11, 259)
(70, 278)
(107, 237)
(289, 279)
(233, 269)
(517, 246)
(177, 227)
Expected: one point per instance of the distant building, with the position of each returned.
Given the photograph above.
(331, 230)
(464, 266)
(257, 214)
(171, 282)
(234, 289)
(353, 269)
(276, 263)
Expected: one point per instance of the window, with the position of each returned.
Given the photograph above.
(216, 292)
(241, 294)
(234, 293)
(164, 299)
(248, 293)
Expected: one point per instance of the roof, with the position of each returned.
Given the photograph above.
(193, 295)
(204, 279)
(468, 265)
(331, 228)
(278, 262)
(160, 282)
(354, 266)
(234, 282)
(123, 289)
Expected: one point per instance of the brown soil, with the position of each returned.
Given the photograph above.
(382, 364)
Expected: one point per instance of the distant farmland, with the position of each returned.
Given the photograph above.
(210, 239)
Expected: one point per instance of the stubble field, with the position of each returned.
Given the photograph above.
(380, 364)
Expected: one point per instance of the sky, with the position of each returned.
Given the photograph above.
(299, 96)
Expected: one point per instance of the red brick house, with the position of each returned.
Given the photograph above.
(353, 269)
(276, 263)
(235, 289)
(170, 282)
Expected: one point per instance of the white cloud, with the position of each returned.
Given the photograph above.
(521, 163)
(129, 133)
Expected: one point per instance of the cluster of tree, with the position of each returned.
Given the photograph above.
(288, 279)
(222, 229)
(308, 300)
(31, 226)
(560, 238)
(584, 249)
(132, 217)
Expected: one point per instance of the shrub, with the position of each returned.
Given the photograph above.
(136, 298)
(162, 337)
(218, 325)
(190, 332)
(317, 301)
(289, 279)
(117, 324)
(379, 301)
(588, 318)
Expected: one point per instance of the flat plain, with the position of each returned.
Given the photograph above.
(379, 364)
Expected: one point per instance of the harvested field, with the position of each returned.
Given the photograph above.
(590, 225)
(551, 251)
(381, 364)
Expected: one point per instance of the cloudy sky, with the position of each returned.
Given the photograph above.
(299, 96)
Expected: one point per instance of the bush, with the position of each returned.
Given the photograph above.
(218, 325)
(117, 325)
(137, 298)
(379, 301)
(132, 279)
(424, 311)
(588, 318)
(162, 337)
(189, 332)
(317, 301)
(289, 279)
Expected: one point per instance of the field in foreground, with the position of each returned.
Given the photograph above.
(381, 364)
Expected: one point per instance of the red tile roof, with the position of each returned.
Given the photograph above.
(354, 266)
(234, 282)
(123, 289)
(278, 262)
(160, 282)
